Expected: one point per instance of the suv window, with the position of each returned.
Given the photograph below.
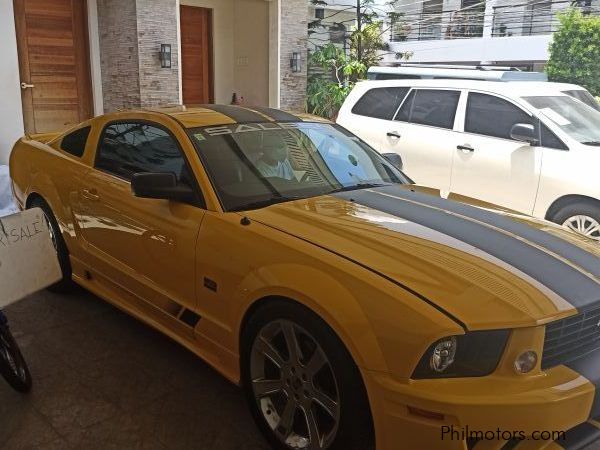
(74, 143)
(129, 148)
(436, 108)
(380, 103)
(492, 116)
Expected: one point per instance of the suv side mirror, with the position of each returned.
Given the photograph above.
(161, 186)
(394, 159)
(524, 132)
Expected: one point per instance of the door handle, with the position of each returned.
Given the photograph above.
(90, 194)
(465, 148)
(27, 86)
(394, 134)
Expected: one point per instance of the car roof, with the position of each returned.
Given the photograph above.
(456, 72)
(215, 115)
(510, 89)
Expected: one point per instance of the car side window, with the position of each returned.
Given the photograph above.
(74, 143)
(433, 107)
(492, 116)
(550, 140)
(129, 148)
(380, 103)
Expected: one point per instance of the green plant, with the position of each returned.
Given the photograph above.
(575, 51)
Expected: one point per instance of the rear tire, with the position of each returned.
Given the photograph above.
(582, 217)
(66, 284)
(330, 400)
(12, 364)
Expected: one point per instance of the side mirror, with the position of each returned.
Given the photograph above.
(524, 132)
(161, 186)
(394, 159)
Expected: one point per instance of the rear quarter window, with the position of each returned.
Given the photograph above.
(75, 142)
(380, 103)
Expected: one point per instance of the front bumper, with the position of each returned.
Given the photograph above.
(558, 400)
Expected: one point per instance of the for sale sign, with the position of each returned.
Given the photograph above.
(28, 261)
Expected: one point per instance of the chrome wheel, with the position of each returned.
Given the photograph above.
(294, 386)
(588, 226)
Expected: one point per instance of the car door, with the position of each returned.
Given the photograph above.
(144, 246)
(488, 164)
(370, 116)
(422, 133)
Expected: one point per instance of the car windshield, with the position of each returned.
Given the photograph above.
(585, 97)
(578, 120)
(259, 164)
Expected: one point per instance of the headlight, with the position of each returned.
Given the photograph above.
(474, 354)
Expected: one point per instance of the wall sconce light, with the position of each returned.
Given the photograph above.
(319, 13)
(296, 62)
(165, 56)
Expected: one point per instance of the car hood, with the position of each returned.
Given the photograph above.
(485, 267)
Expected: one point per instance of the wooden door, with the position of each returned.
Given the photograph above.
(197, 55)
(52, 41)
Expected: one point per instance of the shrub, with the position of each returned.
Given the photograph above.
(575, 51)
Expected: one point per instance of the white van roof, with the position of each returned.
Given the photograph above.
(453, 72)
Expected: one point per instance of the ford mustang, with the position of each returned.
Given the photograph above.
(356, 309)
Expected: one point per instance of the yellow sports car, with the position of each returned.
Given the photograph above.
(358, 311)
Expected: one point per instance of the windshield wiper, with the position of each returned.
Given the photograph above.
(356, 187)
(266, 202)
(594, 143)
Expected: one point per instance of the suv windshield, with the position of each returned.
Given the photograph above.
(575, 118)
(259, 164)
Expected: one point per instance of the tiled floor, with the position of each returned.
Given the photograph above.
(102, 380)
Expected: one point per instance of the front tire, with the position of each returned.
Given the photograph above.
(66, 284)
(12, 364)
(303, 388)
(582, 217)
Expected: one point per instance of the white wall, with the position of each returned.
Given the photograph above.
(11, 112)
(251, 51)
(518, 48)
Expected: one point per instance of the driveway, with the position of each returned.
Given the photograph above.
(103, 380)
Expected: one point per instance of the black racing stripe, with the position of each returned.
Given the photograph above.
(276, 114)
(579, 437)
(589, 367)
(237, 113)
(577, 255)
(571, 284)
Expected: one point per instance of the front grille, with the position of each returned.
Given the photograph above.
(568, 339)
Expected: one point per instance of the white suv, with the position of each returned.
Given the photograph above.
(526, 146)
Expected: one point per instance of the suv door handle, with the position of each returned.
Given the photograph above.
(90, 194)
(394, 134)
(465, 148)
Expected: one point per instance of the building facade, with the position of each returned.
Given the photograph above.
(503, 32)
(68, 60)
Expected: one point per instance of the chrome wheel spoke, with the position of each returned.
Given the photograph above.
(317, 361)
(263, 388)
(291, 341)
(269, 351)
(286, 420)
(329, 405)
(313, 429)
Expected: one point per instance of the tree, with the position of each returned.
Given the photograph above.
(575, 51)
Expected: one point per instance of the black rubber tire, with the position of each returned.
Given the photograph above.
(355, 431)
(21, 383)
(66, 284)
(581, 207)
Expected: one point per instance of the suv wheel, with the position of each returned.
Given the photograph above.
(582, 217)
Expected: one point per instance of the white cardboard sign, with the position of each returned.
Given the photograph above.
(28, 261)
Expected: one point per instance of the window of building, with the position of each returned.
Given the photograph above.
(492, 116)
(75, 142)
(436, 108)
(129, 148)
(380, 103)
